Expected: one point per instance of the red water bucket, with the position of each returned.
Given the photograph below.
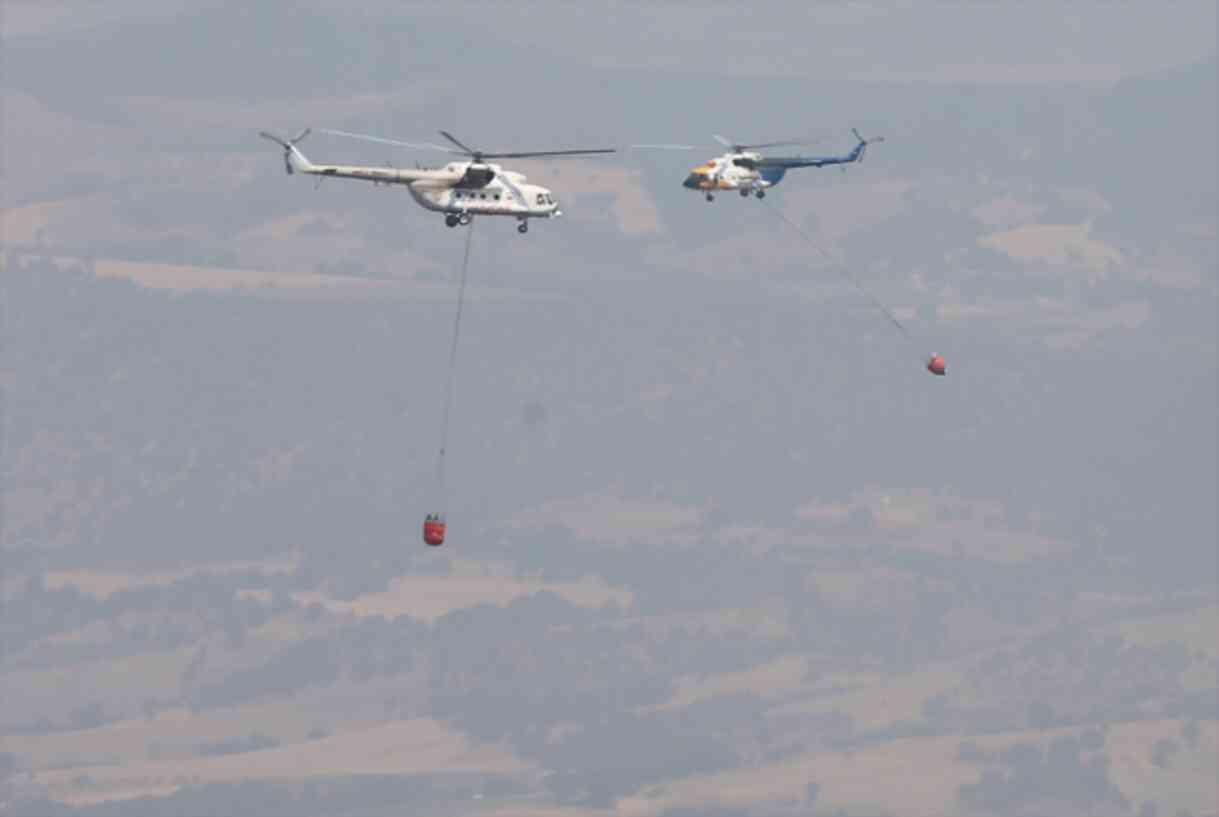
(433, 531)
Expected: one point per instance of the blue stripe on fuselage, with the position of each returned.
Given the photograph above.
(772, 174)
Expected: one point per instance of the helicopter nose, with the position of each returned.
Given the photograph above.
(691, 182)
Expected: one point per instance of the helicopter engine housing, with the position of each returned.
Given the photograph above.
(477, 176)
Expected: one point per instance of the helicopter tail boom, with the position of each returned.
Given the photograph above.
(856, 154)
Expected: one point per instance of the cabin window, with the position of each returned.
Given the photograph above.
(497, 196)
(541, 200)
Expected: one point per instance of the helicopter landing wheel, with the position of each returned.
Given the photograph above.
(523, 227)
(451, 221)
(464, 219)
(710, 197)
(761, 194)
(744, 193)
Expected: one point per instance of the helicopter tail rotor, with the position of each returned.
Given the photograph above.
(289, 146)
(863, 144)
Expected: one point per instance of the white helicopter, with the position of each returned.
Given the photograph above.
(460, 190)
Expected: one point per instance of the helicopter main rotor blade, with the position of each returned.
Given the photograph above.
(531, 154)
(382, 141)
(459, 144)
(740, 146)
(782, 143)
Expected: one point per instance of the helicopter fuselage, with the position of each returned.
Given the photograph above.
(460, 190)
(748, 171)
(727, 172)
(451, 193)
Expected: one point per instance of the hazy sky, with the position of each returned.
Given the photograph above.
(985, 41)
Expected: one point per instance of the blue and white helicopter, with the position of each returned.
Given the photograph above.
(744, 169)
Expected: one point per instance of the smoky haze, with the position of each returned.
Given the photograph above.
(718, 543)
